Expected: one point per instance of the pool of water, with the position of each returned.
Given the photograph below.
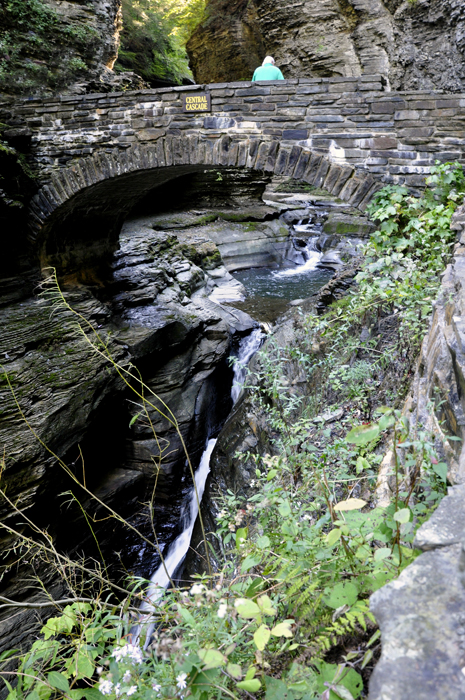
(269, 292)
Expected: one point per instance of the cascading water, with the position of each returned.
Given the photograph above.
(247, 349)
(177, 551)
(311, 255)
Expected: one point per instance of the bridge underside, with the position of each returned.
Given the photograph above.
(77, 216)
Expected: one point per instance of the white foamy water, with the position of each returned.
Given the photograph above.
(247, 349)
(177, 550)
(312, 258)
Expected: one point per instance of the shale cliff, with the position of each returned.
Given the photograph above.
(415, 44)
(50, 45)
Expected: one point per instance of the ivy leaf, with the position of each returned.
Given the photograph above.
(402, 515)
(247, 608)
(250, 686)
(212, 658)
(261, 637)
(350, 504)
(363, 434)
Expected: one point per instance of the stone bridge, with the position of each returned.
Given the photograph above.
(97, 154)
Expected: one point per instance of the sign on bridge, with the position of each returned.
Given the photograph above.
(197, 103)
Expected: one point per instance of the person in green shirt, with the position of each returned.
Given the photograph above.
(268, 71)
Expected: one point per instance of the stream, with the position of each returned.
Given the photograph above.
(174, 558)
(308, 258)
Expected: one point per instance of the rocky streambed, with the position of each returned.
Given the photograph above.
(169, 303)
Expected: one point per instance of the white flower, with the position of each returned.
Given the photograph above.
(132, 652)
(118, 690)
(127, 677)
(222, 610)
(197, 589)
(131, 690)
(181, 681)
(105, 687)
(156, 687)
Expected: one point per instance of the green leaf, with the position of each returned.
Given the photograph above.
(261, 637)
(58, 680)
(382, 553)
(241, 536)
(251, 671)
(93, 694)
(342, 692)
(333, 537)
(212, 658)
(235, 671)
(350, 504)
(363, 434)
(283, 629)
(250, 686)
(441, 470)
(362, 464)
(6, 654)
(402, 515)
(345, 593)
(187, 616)
(263, 542)
(387, 421)
(284, 509)
(266, 606)
(249, 562)
(85, 666)
(277, 690)
(247, 608)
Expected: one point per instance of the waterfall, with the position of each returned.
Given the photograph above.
(247, 349)
(312, 258)
(178, 549)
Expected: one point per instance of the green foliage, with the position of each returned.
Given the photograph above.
(32, 37)
(302, 555)
(154, 36)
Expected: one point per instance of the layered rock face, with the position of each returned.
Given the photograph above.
(52, 45)
(414, 45)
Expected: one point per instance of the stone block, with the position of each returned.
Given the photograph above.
(311, 89)
(372, 87)
(150, 134)
(250, 92)
(383, 107)
(422, 620)
(296, 134)
(379, 143)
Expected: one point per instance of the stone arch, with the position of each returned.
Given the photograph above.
(79, 183)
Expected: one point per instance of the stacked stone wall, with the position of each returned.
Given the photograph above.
(395, 136)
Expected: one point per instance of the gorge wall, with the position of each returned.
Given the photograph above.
(414, 44)
(49, 46)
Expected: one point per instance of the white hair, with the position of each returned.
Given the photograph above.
(269, 59)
